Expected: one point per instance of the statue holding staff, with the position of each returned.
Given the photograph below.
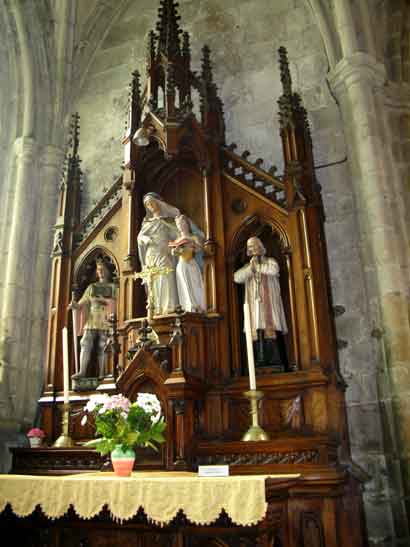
(93, 311)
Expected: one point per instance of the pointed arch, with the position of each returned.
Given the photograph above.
(323, 19)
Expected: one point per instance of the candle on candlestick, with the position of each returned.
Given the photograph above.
(249, 346)
(66, 380)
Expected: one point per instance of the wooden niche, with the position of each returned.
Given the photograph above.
(198, 366)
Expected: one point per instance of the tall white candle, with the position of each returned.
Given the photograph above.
(66, 380)
(249, 346)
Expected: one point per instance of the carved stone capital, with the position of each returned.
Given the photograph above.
(359, 67)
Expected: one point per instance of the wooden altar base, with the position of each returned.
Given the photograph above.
(66, 461)
(301, 512)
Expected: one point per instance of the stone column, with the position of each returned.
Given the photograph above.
(15, 316)
(357, 82)
(51, 161)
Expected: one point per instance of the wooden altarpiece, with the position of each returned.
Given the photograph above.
(199, 369)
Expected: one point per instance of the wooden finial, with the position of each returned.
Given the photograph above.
(206, 65)
(284, 71)
(168, 29)
(74, 141)
(152, 38)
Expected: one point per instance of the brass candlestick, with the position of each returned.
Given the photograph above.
(64, 440)
(255, 432)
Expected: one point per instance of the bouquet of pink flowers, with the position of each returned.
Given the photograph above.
(120, 422)
(36, 432)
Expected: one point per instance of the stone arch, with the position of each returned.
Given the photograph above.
(32, 55)
(95, 29)
(323, 20)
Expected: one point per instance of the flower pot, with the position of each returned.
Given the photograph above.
(122, 461)
(35, 442)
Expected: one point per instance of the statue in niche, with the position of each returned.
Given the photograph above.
(95, 307)
(157, 230)
(58, 242)
(188, 246)
(262, 292)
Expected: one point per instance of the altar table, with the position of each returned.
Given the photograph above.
(148, 508)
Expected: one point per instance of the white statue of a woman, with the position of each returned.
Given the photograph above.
(157, 229)
(190, 284)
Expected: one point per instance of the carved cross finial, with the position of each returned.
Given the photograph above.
(168, 29)
(284, 71)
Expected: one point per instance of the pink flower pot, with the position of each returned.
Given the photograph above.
(122, 461)
(35, 442)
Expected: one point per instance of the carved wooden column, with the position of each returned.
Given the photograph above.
(209, 245)
(129, 263)
(131, 210)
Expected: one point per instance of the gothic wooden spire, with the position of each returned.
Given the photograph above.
(168, 29)
(74, 173)
(211, 104)
(186, 48)
(291, 110)
(74, 140)
(134, 103)
(206, 66)
(152, 38)
(285, 72)
(296, 139)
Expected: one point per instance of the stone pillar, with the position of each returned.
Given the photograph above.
(15, 316)
(357, 81)
(51, 161)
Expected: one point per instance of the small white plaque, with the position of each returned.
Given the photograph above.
(213, 470)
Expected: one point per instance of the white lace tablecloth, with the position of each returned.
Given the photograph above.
(160, 494)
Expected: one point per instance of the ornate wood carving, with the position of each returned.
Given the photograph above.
(197, 366)
(294, 458)
(99, 215)
(311, 530)
(292, 413)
